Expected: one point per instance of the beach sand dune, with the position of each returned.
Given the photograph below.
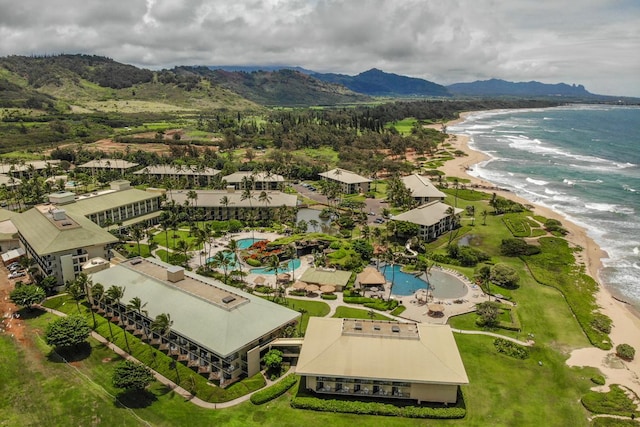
(626, 322)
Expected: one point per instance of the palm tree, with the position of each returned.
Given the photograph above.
(246, 195)
(162, 326)
(233, 247)
(291, 251)
(136, 305)
(314, 224)
(265, 198)
(115, 294)
(220, 260)
(137, 233)
(84, 283)
(183, 247)
(273, 264)
(390, 256)
(484, 217)
(76, 292)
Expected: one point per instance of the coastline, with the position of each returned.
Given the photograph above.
(625, 318)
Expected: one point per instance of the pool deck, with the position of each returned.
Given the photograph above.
(416, 309)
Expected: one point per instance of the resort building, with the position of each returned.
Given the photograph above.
(9, 181)
(197, 176)
(434, 219)
(99, 165)
(121, 206)
(259, 181)
(350, 182)
(381, 359)
(326, 276)
(28, 169)
(60, 242)
(217, 330)
(8, 231)
(422, 190)
(223, 205)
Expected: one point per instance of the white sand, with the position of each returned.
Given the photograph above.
(626, 323)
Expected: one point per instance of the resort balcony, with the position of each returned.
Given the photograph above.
(183, 358)
(386, 393)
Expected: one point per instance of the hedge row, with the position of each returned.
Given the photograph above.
(329, 296)
(377, 408)
(274, 391)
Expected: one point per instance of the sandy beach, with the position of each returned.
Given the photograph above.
(626, 323)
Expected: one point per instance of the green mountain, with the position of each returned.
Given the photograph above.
(376, 82)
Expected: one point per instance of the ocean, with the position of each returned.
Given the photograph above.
(583, 161)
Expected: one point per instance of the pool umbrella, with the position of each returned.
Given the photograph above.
(259, 280)
(327, 289)
(313, 288)
(299, 285)
(435, 308)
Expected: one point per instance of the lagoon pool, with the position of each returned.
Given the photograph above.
(284, 267)
(246, 243)
(442, 284)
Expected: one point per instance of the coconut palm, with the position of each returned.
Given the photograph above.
(162, 326)
(136, 305)
(115, 294)
(137, 234)
(76, 292)
(233, 247)
(291, 251)
(220, 260)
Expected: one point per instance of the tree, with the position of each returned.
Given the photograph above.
(488, 312)
(115, 294)
(27, 296)
(484, 217)
(67, 332)
(75, 292)
(504, 275)
(291, 251)
(162, 326)
(133, 376)
(273, 360)
(515, 247)
(221, 260)
(137, 234)
(136, 305)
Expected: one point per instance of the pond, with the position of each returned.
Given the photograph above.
(443, 285)
(306, 214)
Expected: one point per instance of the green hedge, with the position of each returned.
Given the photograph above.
(511, 349)
(253, 262)
(377, 408)
(274, 391)
(329, 296)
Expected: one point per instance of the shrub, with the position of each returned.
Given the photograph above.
(625, 351)
(511, 349)
(263, 289)
(253, 262)
(398, 310)
(598, 380)
(601, 323)
(615, 402)
(329, 296)
(516, 247)
(274, 391)
(504, 275)
(377, 408)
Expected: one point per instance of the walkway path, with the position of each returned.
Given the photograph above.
(166, 381)
(528, 343)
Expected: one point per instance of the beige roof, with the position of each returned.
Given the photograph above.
(173, 170)
(427, 214)
(212, 198)
(258, 177)
(108, 164)
(371, 276)
(47, 236)
(350, 348)
(37, 165)
(325, 276)
(9, 181)
(420, 186)
(344, 176)
(219, 317)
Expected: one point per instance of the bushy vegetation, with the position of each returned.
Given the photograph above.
(378, 408)
(504, 275)
(614, 402)
(517, 247)
(511, 349)
(625, 351)
(274, 391)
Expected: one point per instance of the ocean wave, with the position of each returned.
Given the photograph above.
(537, 181)
(636, 251)
(568, 182)
(609, 207)
(625, 187)
(552, 192)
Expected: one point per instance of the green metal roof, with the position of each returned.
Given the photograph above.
(220, 329)
(107, 201)
(46, 238)
(323, 276)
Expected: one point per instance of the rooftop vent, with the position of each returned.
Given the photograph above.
(136, 261)
(228, 299)
(66, 223)
(59, 214)
(358, 327)
(175, 274)
(376, 327)
(395, 328)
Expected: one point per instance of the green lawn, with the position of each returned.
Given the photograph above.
(132, 248)
(312, 309)
(161, 238)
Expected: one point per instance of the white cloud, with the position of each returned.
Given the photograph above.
(594, 43)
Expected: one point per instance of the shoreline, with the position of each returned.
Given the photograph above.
(624, 316)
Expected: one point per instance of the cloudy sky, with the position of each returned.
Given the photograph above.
(590, 42)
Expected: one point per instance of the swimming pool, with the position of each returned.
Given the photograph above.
(284, 268)
(246, 243)
(442, 284)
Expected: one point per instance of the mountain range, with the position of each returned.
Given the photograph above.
(44, 82)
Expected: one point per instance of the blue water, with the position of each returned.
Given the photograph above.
(246, 243)
(284, 267)
(443, 285)
(581, 161)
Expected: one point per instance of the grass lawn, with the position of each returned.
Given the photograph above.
(357, 313)
(132, 248)
(311, 308)
(161, 238)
